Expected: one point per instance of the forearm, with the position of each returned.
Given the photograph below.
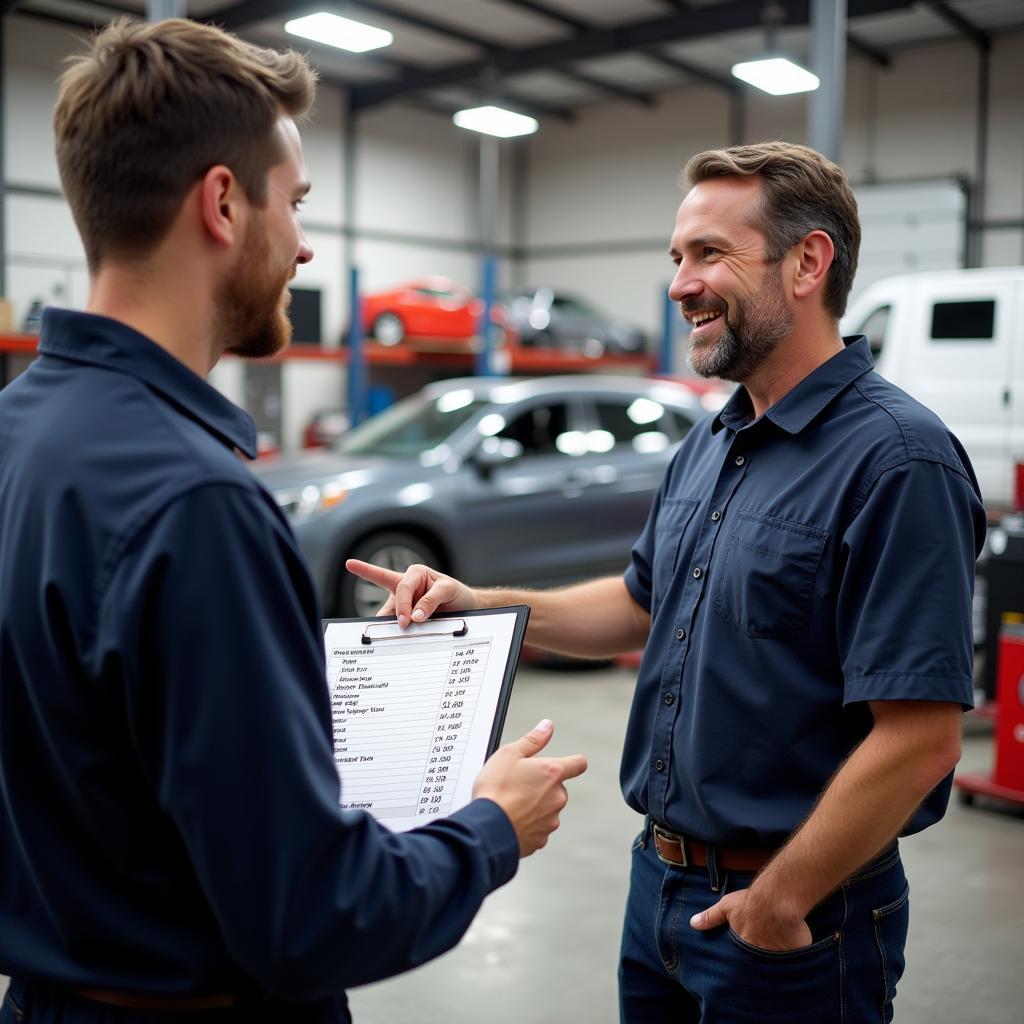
(589, 620)
(863, 808)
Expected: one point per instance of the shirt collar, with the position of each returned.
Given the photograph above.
(795, 410)
(100, 341)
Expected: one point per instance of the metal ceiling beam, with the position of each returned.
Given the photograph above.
(250, 11)
(873, 53)
(732, 15)
(953, 17)
(619, 92)
(552, 13)
(725, 82)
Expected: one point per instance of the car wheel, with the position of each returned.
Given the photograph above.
(392, 550)
(388, 329)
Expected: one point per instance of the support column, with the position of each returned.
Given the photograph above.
(158, 10)
(490, 156)
(828, 62)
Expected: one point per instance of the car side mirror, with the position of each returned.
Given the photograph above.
(495, 452)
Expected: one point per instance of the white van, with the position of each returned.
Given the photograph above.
(954, 339)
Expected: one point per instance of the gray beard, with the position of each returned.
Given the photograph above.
(754, 331)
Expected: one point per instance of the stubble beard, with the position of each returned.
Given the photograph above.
(751, 331)
(252, 301)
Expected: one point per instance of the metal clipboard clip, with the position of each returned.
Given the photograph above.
(369, 638)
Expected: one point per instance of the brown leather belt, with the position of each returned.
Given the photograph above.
(130, 1001)
(688, 852)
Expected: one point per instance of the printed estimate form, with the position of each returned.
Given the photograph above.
(417, 711)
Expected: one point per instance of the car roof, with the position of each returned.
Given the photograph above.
(514, 389)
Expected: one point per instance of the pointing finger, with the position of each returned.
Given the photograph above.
(373, 573)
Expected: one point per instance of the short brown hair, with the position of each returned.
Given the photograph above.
(150, 108)
(802, 191)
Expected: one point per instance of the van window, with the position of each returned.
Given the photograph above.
(958, 321)
(874, 326)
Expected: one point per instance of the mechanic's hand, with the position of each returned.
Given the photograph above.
(417, 593)
(758, 927)
(529, 789)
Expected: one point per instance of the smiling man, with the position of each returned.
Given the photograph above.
(802, 591)
(172, 844)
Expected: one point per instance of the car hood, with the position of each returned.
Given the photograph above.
(351, 471)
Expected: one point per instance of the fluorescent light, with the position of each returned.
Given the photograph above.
(776, 75)
(343, 33)
(495, 121)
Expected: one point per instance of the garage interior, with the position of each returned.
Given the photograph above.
(922, 103)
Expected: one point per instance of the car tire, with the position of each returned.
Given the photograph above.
(388, 329)
(392, 549)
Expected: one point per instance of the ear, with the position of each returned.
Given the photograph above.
(219, 200)
(814, 255)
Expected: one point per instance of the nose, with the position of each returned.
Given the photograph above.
(685, 283)
(305, 253)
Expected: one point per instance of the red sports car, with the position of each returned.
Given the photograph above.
(434, 308)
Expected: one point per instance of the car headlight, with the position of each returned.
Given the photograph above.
(311, 500)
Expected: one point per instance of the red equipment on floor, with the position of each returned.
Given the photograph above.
(1007, 779)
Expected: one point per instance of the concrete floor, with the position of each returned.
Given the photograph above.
(544, 949)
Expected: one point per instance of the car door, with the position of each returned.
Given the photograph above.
(519, 521)
(631, 439)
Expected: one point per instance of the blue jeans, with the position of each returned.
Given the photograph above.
(671, 972)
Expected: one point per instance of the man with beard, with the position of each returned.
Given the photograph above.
(172, 844)
(803, 588)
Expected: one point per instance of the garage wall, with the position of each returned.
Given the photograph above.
(603, 191)
(416, 184)
(600, 192)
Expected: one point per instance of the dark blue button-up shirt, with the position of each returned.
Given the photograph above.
(795, 567)
(169, 803)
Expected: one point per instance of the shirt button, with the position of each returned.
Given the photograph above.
(659, 765)
(698, 572)
(715, 516)
(680, 634)
(739, 460)
(669, 699)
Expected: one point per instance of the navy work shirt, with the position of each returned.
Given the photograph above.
(796, 567)
(169, 802)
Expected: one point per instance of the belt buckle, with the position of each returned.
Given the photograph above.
(672, 838)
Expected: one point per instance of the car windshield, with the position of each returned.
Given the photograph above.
(414, 425)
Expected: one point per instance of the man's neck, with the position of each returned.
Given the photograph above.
(796, 357)
(172, 311)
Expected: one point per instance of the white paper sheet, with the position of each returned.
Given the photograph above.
(413, 715)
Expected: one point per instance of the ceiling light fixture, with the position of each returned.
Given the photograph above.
(505, 124)
(775, 73)
(344, 33)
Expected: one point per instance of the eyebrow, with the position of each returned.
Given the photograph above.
(718, 241)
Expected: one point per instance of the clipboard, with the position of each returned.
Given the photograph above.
(417, 711)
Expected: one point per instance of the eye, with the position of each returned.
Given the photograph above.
(709, 251)
(298, 204)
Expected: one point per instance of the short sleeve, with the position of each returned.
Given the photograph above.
(639, 575)
(904, 621)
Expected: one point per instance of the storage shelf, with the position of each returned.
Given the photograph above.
(425, 352)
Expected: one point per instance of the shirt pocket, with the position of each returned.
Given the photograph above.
(766, 583)
(673, 518)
